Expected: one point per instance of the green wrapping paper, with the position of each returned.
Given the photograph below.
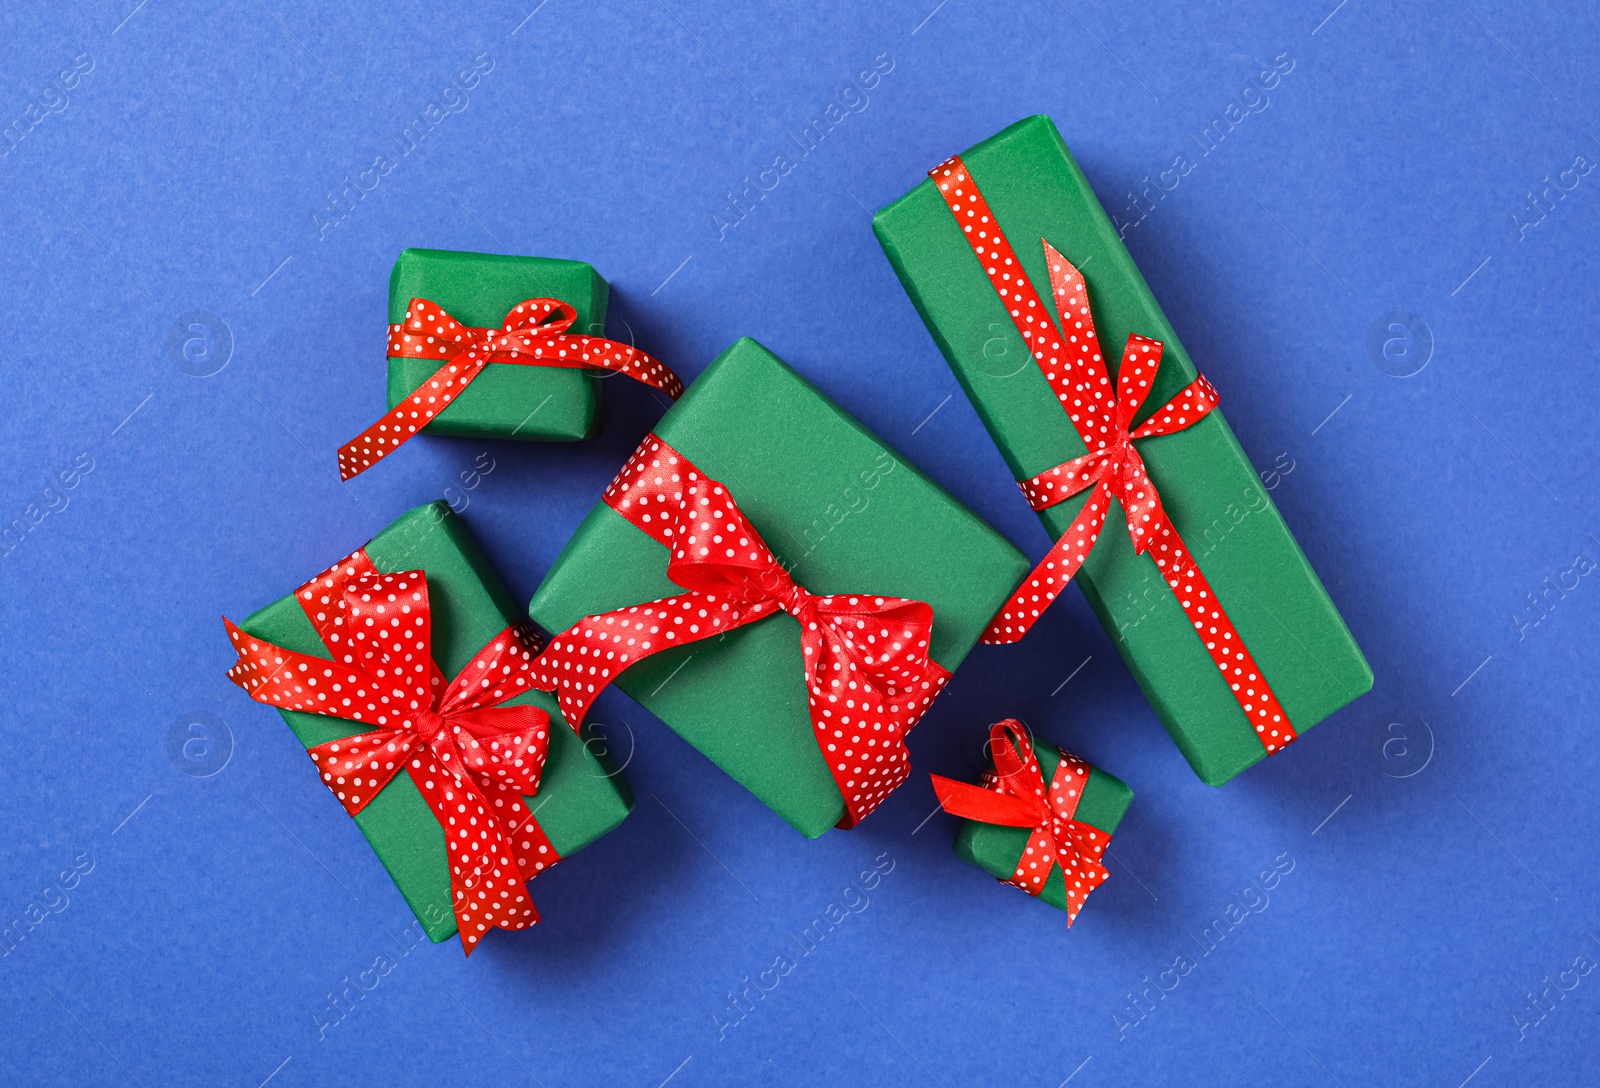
(581, 795)
(1207, 484)
(997, 849)
(842, 511)
(508, 400)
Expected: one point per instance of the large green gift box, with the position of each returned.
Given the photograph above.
(997, 849)
(508, 400)
(581, 795)
(1209, 488)
(842, 511)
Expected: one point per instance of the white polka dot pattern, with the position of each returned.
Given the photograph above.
(866, 659)
(534, 334)
(1071, 361)
(1015, 794)
(471, 759)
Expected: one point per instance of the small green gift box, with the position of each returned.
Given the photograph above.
(1038, 814)
(841, 512)
(542, 403)
(977, 307)
(581, 795)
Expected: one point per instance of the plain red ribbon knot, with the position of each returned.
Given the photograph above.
(535, 333)
(1070, 358)
(1016, 794)
(866, 661)
(472, 759)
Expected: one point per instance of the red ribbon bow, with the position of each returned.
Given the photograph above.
(534, 334)
(1015, 794)
(866, 657)
(471, 759)
(1077, 374)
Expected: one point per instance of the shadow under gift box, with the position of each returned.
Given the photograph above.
(508, 400)
(841, 510)
(1207, 484)
(998, 849)
(581, 794)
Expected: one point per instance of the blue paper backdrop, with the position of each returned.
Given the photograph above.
(160, 220)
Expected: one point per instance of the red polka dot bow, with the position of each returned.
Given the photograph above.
(471, 759)
(534, 334)
(866, 659)
(1015, 794)
(1070, 358)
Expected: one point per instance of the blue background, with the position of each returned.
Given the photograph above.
(1441, 830)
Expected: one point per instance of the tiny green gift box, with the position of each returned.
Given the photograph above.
(508, 400)
(998, 849)
(1207, 485)
(581, 795)
(842, 511)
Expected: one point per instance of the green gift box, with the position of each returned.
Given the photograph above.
(842, 511)
(1210, 490)
(508, 400)
(581, 794)
(997, 849)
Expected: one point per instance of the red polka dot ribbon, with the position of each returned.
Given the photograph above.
(1015, 794)
(1071, 361)
(867, 667)
(534, 334)
(472, 759)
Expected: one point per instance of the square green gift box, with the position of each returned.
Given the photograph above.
(580, 794)
(1041, 820)
(539, 403)
(858, 542)
(499, 346)
(966, 245)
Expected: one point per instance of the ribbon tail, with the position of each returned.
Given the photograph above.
(529, 844)
(1018, 615)
(487, 887)
(1082, 871)
(986, 806)
(587, 657)
(411, 415)
(644, 368)
(572, 350)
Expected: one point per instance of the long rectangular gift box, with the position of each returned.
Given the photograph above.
(823, 507)
(1078, 809)
(966, 244)
(581, 795)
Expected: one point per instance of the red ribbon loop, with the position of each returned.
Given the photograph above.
(866, 657)
(472, 759)
(534, 334)
(1071, 361)
(1016, 794)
